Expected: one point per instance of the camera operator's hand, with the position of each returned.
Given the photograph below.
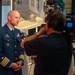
(42, 31)
(34, 36)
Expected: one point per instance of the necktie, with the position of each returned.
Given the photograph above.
(13, 33)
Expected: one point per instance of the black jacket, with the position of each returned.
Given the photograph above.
(53, 54)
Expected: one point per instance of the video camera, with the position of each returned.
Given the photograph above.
(70, 28)
(23, 35)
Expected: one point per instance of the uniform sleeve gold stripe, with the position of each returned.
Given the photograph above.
(4, 62)
(21, 56)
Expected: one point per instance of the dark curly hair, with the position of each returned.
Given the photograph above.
(57, 21)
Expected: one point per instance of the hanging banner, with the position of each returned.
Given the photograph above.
(62, 4)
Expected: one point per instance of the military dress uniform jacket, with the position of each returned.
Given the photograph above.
(10, 50)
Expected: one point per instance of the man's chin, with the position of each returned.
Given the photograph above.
(15, 24)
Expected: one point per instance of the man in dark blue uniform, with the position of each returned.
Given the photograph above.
(11, 54)
(54, 50)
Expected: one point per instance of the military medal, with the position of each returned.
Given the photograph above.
(6, 35)
(18, 35)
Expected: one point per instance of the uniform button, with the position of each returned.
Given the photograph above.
(16, 58)
(19, 40)
(8, 40)
(15, 46)
(15, 51)
(2, 58)
(8, 44)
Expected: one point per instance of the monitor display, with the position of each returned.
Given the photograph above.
(69, 24)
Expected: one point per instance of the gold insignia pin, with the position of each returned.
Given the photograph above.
(7, 44)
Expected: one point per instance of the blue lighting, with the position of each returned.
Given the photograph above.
(69, 24)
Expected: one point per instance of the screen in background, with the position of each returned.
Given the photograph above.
(69, 24)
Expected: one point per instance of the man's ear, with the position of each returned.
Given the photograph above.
(9, 18)
(47, 27)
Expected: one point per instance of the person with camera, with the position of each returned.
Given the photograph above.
(54, 50)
